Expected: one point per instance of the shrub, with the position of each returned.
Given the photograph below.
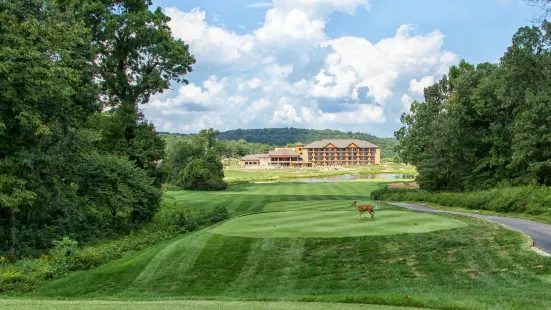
(67, 256)
(14, 281)
(532, 200)
(201, 175)
(113, 184)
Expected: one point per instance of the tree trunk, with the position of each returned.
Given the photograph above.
(11, 232)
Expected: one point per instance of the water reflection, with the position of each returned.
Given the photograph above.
(349, 177)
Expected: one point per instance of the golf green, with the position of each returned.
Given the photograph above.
(331, 224)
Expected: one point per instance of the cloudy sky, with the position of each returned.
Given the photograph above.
(340, 64)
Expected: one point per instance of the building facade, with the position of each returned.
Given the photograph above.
(341, 152)
(255, 160)
(329, 152)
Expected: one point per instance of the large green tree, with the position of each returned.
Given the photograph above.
(486, 124)
(46, 93)
(61, 63)
(135, 56)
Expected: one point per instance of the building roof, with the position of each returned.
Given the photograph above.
(340, 143)
(254, 156)
(283, 152)
(250, 157)
(299, 144)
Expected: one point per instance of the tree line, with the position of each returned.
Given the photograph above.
(288, 136)
(77, 156)
(225, 148)
(485, 125)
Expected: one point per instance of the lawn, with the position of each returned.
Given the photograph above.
(233, 174)
(443, 262)
(183, 304)
(330, 219)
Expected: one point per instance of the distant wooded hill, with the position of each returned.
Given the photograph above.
(284, 136)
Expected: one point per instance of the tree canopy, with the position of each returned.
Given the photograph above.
(488, 124)
(67, 166)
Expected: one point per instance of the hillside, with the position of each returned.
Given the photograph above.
(283, 136)
(304, 242)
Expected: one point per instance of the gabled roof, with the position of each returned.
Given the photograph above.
(283, 152)
(340, 143)
(254, 156)
(250, 157)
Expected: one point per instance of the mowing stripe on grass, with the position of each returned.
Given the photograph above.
(187, 250)
(330, 224)
(26, 304)
(431, 267)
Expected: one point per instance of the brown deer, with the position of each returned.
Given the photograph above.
(365, 208)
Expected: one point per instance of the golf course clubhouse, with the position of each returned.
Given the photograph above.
(330, 152)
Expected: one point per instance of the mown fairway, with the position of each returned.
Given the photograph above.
(330, 218)
(468, 264)
(184, 304)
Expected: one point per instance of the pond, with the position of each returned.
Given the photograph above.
(349, 177)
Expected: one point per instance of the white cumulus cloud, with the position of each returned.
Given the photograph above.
(418, 87)
(257, 78)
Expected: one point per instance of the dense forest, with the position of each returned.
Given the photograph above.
(285, 136)
(77, 157)
(485, 125)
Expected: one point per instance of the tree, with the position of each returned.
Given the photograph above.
(46, 91)
(201, 174)
(206, 138)
(113, 183)
(490, 124)
(146, 148)
(525, 89)
(179, 156)
(13, 195)
(544, 5)
(135, 56)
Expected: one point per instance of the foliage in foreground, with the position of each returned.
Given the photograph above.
(67, 256)
(67, 166)
(530, 200)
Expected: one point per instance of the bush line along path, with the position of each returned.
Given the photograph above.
(540, 233)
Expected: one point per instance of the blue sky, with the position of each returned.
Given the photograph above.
(353, 65)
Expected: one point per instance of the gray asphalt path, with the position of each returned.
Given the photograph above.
(540, 233)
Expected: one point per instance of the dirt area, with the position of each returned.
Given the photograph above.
(404, 185)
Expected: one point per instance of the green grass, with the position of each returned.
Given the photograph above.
(241, 199)
(236, 174)
(526, 202)
(477, 266)
(540, 218)
(330, 219)
(184, 304)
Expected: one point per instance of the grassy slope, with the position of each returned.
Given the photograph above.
(238, 174)
(480, 266)
(330, 218)
(184, 304)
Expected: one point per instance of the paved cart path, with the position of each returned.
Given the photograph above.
(540, 233)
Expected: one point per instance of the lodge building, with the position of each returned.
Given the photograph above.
(329, 152)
